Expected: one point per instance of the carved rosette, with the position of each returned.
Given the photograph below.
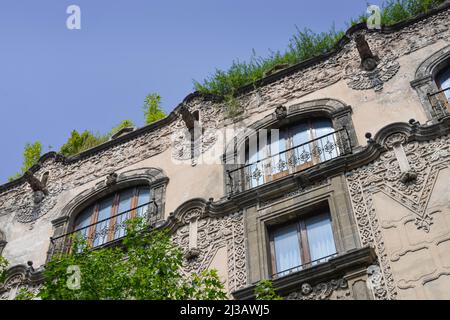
(214, 234)
(322, 291)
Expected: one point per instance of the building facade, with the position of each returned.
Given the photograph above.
(334, 181)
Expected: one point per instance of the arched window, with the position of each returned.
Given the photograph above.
(105, 220)
(432, 83)
(275, 153)
(443, 82)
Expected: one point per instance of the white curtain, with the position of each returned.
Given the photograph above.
(287, 251)
(278, 145)
(144, 197)
(101, 229)
(320, 237)
(327, 144)
(124, 205)
(301, 134)
(84, 220)
(255, 171)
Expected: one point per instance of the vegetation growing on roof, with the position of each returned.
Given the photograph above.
(152, 108)
(31, 154)
(303, 45)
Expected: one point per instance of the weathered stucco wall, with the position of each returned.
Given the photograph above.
(408, 223)
(378, 98)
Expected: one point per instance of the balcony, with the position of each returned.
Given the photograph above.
(302, 267)
(440, 103)
(105, 232)
(296, 159)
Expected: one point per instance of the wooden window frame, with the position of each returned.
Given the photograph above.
(113, 213)
(442, 96)
(289, 145)
(302, 237)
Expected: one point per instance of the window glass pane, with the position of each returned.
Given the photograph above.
(144, 197)
(125, 199)
(101, 229)
(444, 82)
(287, 251)
(255, 171)
(320, 237)
(301, 137)
(327, 145)
(84, 220)
(278, 141)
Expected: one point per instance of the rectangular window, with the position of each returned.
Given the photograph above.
(301, 244)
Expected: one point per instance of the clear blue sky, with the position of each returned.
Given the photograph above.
(54, 80)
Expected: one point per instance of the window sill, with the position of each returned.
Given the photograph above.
(335, 267)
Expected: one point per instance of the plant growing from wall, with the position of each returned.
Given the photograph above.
(3, 267)
(264, 291)
(80, 142)
(303, 45)
(146, 267)
(123, 124)
(152, 108)
(31, 154)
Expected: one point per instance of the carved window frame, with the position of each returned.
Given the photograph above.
(113, 211)
(321, 209)
(152, 177)
(425, 80)
(337, 111)
(331, 194)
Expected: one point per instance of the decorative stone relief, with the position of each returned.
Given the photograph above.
(22, 279)
(360, 79)
(323, 291)
(181, 140)
(29, 211)
(213, 234)
(384, 175)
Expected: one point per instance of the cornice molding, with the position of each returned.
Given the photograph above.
(211, 97)
(338, 266)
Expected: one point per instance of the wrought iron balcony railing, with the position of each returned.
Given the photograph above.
(106, 231)
(303, 266)
(296, 159)
(440, 102)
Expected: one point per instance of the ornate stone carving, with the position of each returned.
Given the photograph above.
(28, 210)
(427, 159)
(214, 234)
(394, 139)
(39, 187)
(368, 60)
(280, 112)
(375, 78)
(111, 179)
(21, 277)
(193, 214)
(322, 291)
(408, 177)
(182, 147)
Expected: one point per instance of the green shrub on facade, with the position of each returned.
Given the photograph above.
(264, 291)
(146, 266)
(31, 154)
(303, 45)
